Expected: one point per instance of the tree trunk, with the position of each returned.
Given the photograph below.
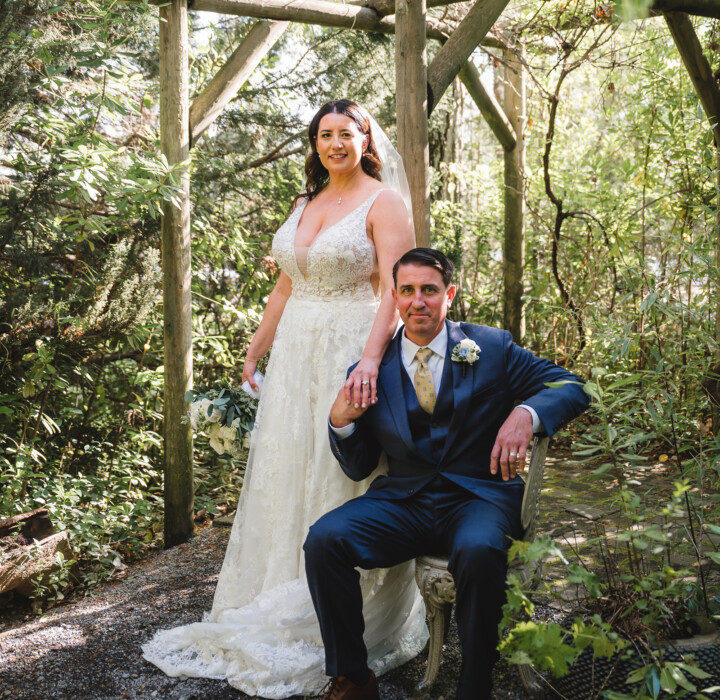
(177, 307)
(411, 95)
(514, 182)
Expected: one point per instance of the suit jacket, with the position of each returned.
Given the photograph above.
(504, 375)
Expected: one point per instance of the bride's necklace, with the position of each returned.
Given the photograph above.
(339, 199)
(340, 195)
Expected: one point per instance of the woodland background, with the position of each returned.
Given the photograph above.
(626, 295)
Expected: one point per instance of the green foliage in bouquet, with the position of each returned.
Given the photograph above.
(225, 414)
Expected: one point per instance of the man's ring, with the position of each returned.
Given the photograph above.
(365, 382)
(513, 454)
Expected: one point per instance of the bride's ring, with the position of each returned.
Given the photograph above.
(365, 382)
(513, 454)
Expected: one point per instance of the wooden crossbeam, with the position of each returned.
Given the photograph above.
(326, 14)
(331, 14)
(227, 81)
(459, 47)
(489, 107)
(702, 8)
(387, 7)
(698, 67)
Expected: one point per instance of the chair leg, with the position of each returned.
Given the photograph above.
(438, 592)
(437, 615)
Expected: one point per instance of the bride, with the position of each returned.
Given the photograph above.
(331, 306)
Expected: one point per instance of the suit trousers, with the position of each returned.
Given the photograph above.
(370, 532)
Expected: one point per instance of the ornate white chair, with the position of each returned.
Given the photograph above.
(438, 588)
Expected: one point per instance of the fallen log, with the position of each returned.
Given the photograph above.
(29, 547)
(30, 526)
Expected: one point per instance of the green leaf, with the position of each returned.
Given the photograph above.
(578, 574)
(694, 670)
(622, 382)
(544, 644)
(637, 675)
(667, 682)
(592, 390)
(679, 677)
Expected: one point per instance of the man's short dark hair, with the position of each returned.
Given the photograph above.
(427, 257)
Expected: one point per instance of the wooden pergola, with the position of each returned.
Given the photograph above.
(419, 87)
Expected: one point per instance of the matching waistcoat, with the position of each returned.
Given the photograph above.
(429, 432)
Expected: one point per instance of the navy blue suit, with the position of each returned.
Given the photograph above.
(438, 495)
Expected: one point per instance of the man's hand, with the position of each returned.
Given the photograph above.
(511, 443)
(343, 413)
(361, 385)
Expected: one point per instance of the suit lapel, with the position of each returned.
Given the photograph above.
(462, 386)
(391, 385)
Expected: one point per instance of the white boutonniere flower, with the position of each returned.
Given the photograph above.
(466, 351)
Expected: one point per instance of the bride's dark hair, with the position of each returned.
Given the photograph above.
(315, 172)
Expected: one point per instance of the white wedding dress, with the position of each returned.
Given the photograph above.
(262, 634)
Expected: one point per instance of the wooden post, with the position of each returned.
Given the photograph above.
(177, 308)
(514, 240)
(411, 95)
(228, 80)
(703, 80)
(715, 408)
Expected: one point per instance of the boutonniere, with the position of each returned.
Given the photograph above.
(466, 351)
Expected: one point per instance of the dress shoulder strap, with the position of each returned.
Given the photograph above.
(366, 206)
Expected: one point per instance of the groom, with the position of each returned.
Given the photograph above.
(454, 438)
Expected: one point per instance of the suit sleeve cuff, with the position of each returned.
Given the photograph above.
(345, 431)
(537, 423)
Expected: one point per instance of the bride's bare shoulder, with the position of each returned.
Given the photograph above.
(387, 200)
(300, 199)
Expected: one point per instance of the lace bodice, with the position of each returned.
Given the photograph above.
(340, 261)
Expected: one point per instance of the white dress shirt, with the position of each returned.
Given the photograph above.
(436, 364)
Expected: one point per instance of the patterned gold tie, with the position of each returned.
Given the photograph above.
(424, 385)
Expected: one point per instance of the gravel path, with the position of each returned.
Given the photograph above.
(89, 649)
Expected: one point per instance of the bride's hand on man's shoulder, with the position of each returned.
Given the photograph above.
(360, 388)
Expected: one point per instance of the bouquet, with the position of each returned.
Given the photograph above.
(224, 414)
